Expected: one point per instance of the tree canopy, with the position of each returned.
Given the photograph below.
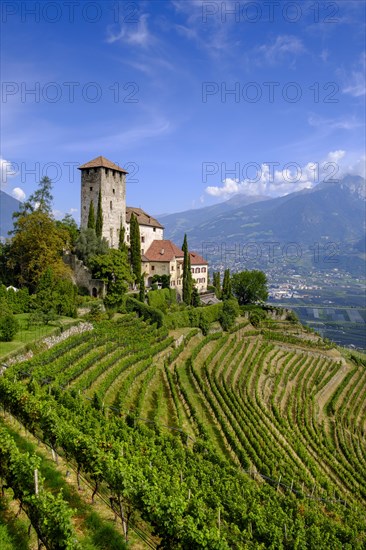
(135, 247)
(187, 274)
(113, 269)
(250, 287)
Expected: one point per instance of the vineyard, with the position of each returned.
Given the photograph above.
(252, 438)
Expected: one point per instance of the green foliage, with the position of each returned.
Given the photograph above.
(9, 326)
(88, 245)
(55, 296)
(145, 311)
(195, 298)
(189, 317)
(91, 216)
(187, 274)
(226, 286)
(162, 299)
(203, 324)
(69, 224)
(217, 283)
(142, 288)
(122, 246)
(256, 316)
(135, 247)
(230, 311)
(37, 244)
(113, 269)
(250, 287)
(99, 219)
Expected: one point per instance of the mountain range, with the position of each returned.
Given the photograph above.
(8, 205)
(329, 212)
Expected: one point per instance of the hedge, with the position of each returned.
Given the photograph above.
(162, 299)
(191, 317)
(143, 310)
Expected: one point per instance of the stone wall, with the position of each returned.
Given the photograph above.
(82, 276)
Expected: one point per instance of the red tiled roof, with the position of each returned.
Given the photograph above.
(196, 259)
(163, 251)
(102, 162)
(142, 217)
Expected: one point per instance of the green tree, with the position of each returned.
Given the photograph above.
(122, 246)
(91, 216)
(142, 288)
(187, 274)
(195, 298)
(99, 220)
(41, 200)
(135, 247)
(55, 296)
(217, 283)
(250, 287)
(113, 269)
(226, 286)
(69, 224)
(89, 245)
(230, 311)
(37, 244)
(9, 326)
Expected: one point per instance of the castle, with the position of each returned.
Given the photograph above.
(159, 256)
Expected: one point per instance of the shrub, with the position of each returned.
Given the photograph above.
(9, 326)
(162, 299)
(143, 310)
(230, 311)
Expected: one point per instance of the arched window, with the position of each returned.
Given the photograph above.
(203, 270)
(197, 270)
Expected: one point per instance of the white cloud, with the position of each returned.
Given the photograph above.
(355, 83)
(345, 123)
(277, 183)
(135, 34)
(283, 47)
(18, 194)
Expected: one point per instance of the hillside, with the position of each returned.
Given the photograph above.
(331, 212)
(8, 205)
(215, 441)
(182, 222)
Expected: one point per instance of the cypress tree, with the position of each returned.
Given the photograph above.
(226, 286)
(187, 274)
(91, 216)
(135, 247)
(142, 289)
(217, 283)
(121, 243)
(99, 220)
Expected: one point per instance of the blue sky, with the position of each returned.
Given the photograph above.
(147, 85)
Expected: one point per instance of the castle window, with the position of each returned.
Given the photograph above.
(106, 171)
(152, 268)
(154, 229)
(142, 239)
(114, 173)
(111, 235)
(114, 191)
(111, 205)
(142, 251)
(203, 270)
(198, 270)
(91, 189)
(128, 238)
(172, 268)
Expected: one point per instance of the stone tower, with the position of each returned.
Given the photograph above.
(103, 175)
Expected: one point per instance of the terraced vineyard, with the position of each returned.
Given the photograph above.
(278, 414)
